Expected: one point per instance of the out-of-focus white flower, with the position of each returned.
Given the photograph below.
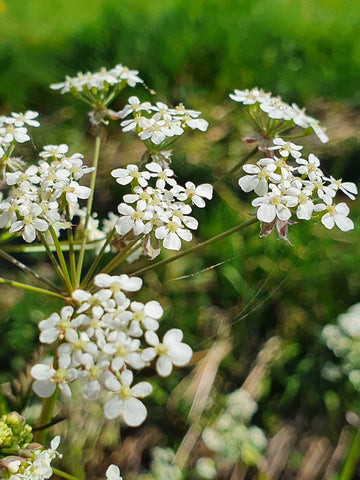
(113, 473)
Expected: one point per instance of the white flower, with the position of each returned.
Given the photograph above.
(286, 148)
(126, 403)
(171, 234)
(134, 105)
(163, 175)
(170, 352)
(123, 350)
(100, 80)
(249, 97)
(26, 118)
(30, 222)
(335, 215)
(274, 205)
(57, 326)
(124, 176)
(118, 282)
(9, 133)
(310, 167)
(197, 194)
(146, 315)
(57, 151)
(131, 219)
(195, 123)
(259, 176)
(349, 188)
(206, 468)
(46, 378)
(113, 473)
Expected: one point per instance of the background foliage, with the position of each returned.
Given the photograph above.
(240, 289)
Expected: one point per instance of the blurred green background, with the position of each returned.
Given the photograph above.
(197, 52)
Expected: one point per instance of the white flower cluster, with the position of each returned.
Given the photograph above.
(35, 465)
(230, 437)
(102, 341)
(98, 81)
(162, 466)
(276, 109)
(343, 339)
(40, 192)
(159, 124)
(298, 186)
(159, 212)
(13, 130)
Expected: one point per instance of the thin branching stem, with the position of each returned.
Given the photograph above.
(28, 270)
(61, 258)
(120, 257)
(65, 475)
(53, 260)
(48, 405)
(197, 247)
(236, 167)
(31, 288)
(89, 204)
(98, 259)
(72, 259)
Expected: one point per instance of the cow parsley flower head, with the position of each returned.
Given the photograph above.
(278, 111)
(157, 125)
(294, 186)
(99, 81)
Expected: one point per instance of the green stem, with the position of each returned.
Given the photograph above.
(89, 204)
(61, 259)
(98, 259)
(197, 247)
(48, 405)
(62, 474)
(120, 257)
(71, 248)
(36, 248)
(51, 256)
(28, 270)
(351, 459)
(31, 288)
(237, 166)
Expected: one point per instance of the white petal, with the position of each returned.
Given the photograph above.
(164, 366)
(248, 183)
(153, 309)
(266, 213)
(113, 473)
(43, 389)
(151, 338)
(344, 223)
(328, 221)
(127, 377)
(180, 354)
(175, 335)
(42, 372)
(205, 190)
(134, 412)
(113, 407)
(142, 389)
(171, 241)
(184, 234)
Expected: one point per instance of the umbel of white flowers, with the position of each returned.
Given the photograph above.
(104, 339)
